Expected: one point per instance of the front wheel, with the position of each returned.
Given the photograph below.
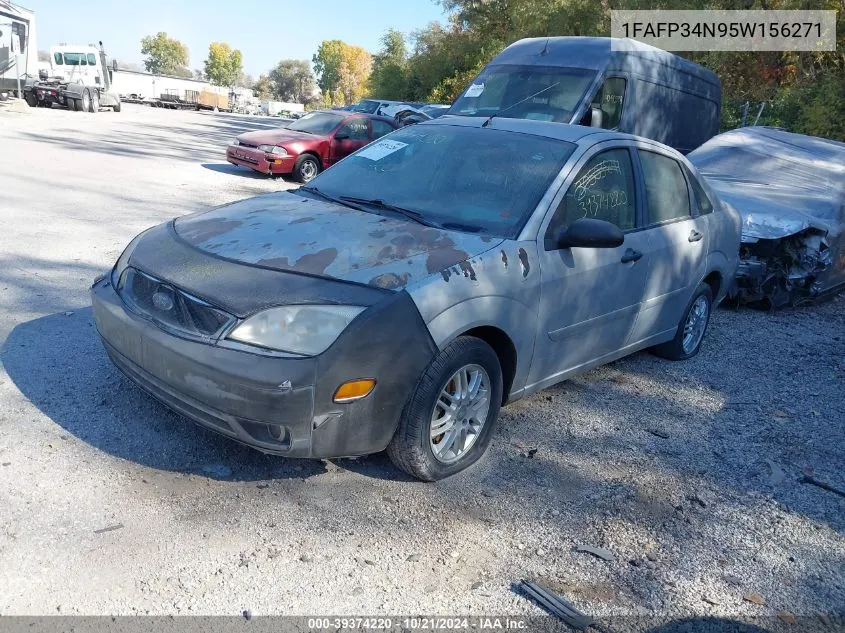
(117, 105)
(30, 99)
(691, 329)
(450, 418)
(306, 168)
(86, 101)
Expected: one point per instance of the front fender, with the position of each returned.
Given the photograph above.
(499, 288)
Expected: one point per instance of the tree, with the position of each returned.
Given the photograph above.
(183, 71)
(327, 61)
(355, 68)
(198, 74)
(263, 87)
(293, 81)
(165, 55)
(224, 64)
(389, 79)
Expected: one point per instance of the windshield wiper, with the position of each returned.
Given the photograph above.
(341, 200)
(416, 216)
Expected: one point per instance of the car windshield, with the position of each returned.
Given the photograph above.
(434, 111)
(367, 106)
(319, 123)
(542, 93)
(479, 180)
(72, 59)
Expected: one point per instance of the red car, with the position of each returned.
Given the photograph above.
(309, 145)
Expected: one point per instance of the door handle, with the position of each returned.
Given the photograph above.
(695, 236)
(631, 256)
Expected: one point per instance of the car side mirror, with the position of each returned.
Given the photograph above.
(341, 136)
(596, 117)
(591, 233)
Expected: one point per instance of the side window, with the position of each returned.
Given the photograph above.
(57, 59)
(92, 61)
(603, 189)
(666, 190)
(703, 202)
(380, 128)
(356, 129)
(610, 100)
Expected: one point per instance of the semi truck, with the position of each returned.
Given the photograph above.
(79, 79)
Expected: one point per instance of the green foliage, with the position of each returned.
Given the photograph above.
(165, 55)
(327, 61)
(292, 81)
(389, 78)
(804, 92)
(224, 65)
(263, 87)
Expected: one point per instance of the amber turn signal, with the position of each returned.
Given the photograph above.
(354, 390)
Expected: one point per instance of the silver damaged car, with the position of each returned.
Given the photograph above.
(407, 293)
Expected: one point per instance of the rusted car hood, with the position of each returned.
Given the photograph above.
(274, 137)
(285, 231)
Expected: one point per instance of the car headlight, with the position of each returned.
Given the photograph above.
(122, 262)
(235, 142)
(300, 329)
(273, 149)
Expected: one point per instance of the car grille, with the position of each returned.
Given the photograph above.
(171, 308)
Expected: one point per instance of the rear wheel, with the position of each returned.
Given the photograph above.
(450, 418)
(691, 329)
(74, 104)
(117, 105)
(306, 168)
(86, 101)
(94, 106)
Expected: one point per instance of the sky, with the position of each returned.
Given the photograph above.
(265, 31)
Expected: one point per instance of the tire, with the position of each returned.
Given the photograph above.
(94, 105)
(30, 99)
(74, 104)
(412, 448)
(117, 105)
(306, 168)
(86, 101)
(702, 303)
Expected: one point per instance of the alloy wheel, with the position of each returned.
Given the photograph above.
(460, 413)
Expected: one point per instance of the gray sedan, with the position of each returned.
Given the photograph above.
(405, 294)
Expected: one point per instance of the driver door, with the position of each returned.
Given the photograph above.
(351, 136)
(590, 297)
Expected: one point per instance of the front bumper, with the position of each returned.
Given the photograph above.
(259, 161)
(277, 405)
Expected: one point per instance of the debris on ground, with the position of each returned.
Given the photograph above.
(755, 598)
(809, 479)
(786, 617)
(598, 552)
(557, 605)
(110, 528)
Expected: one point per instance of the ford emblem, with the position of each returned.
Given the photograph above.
(162, 301)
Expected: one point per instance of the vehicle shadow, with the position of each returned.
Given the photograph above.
(58, 363)
(234, 170)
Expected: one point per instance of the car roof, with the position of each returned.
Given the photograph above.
(547, 129)
(594, 53)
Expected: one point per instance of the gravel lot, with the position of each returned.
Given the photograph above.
(687, 473)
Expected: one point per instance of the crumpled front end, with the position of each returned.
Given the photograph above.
(790, 191)
(785, 271)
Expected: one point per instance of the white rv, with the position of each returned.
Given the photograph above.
(18, 46)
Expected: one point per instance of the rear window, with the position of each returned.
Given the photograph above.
(542, 93)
